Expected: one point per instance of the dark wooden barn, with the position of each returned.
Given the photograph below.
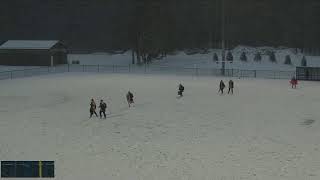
(32, 53)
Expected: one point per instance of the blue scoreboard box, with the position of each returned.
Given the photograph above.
(27, 169)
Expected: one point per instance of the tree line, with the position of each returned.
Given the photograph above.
(153, 28)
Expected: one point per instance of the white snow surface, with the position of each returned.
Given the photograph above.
(13, 68)
(101, 59)
(265, 131)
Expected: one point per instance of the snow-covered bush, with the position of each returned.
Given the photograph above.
(272, 57)
(243, 56)
(215, 58)
(229, 56)
(288, 60)
(257, 57)
(304, 61)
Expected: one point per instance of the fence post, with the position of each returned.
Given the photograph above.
(113, 68)
(48, 69)
(129, 68)
(82, 68)
(196, 69)
(145, 68)
(255, 73)
(11, 74)
(98, 68)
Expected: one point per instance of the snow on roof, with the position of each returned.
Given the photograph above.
(28, 44)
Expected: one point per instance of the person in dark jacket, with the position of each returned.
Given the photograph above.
(221, 86)
(93, 107)
(103, 107)
(180, 90)
(231, 85)
(129, 97)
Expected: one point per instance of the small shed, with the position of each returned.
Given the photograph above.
(33, 53)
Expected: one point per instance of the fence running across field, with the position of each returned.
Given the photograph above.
(147, 69)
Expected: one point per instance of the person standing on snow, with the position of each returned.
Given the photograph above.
(103, 107)
(93, 107)
(180, 90)
(129, 97)
(221, 86)
(293, 82)
(231, 85)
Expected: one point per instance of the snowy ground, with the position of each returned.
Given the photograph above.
(264, 131)
(12, 68)
(101, 58)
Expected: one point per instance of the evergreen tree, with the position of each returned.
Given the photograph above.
(215, 58)
(304, 61)
(288, 60)
(229, 56)
(257, 57)
(272, 57)
(243, 56)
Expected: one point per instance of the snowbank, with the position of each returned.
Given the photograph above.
(181, 59)
(101, 58)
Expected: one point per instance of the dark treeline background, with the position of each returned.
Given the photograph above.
(155, 27)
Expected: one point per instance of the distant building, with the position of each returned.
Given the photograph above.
(32, 53)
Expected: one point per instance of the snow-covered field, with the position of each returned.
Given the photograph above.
(265, 131)
(14, 68)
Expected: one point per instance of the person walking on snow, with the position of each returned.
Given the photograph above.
(129, 97)
(103, 107)
(180, 90)
(93, 107)
(231, 85)
(221, 86)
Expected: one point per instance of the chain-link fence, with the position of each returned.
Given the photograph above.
(148, 69)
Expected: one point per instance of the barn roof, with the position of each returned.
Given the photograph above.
(29, 44)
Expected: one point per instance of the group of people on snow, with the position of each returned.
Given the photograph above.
(222, 86)
(103, 106)
(129, 96)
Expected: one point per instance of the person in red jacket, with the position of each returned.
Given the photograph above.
(293, 83)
